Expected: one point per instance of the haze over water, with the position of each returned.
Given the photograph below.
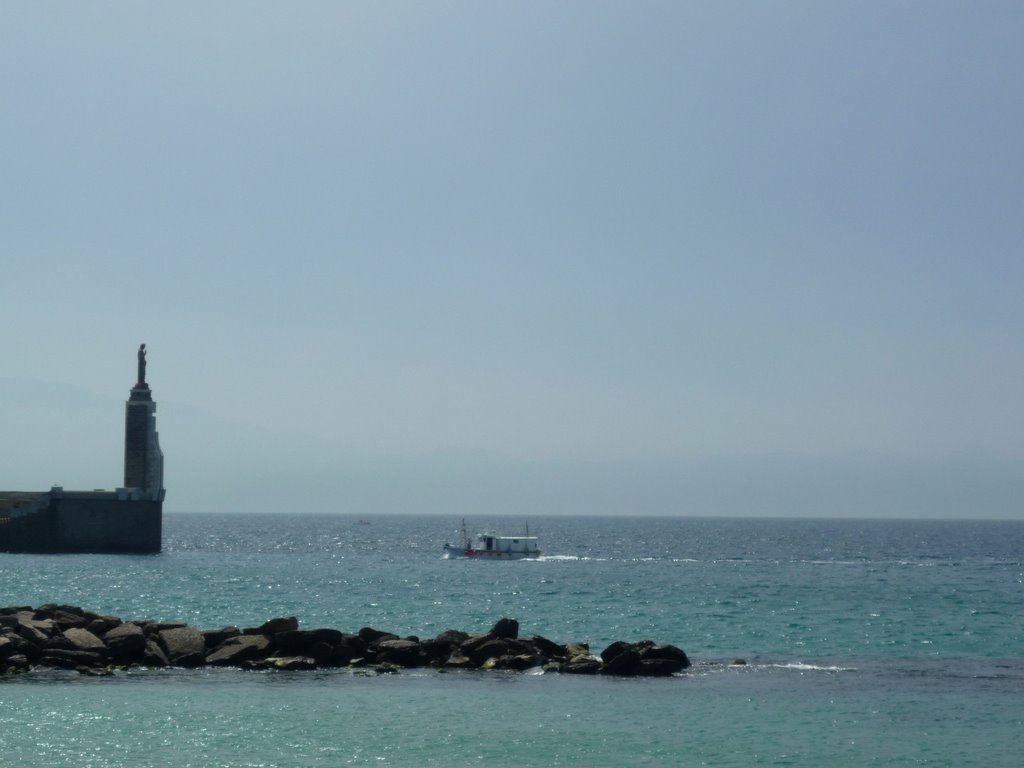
(714, 258)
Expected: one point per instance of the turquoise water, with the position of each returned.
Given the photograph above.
(735, 719)
(867, 642)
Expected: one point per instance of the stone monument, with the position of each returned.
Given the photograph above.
(143, 459)
(128, 519)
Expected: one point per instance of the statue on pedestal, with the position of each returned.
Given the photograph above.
(142, 364)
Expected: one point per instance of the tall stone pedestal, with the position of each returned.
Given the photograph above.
(143, 459)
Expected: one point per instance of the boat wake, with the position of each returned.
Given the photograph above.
(800, 666)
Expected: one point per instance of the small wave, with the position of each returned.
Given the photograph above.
(831, 562)
(803, 667)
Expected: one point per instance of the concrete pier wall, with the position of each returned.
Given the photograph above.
(85, 521)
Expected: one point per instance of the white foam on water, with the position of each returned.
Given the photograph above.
(803, 667)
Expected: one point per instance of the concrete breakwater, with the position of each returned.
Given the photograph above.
(67, 637)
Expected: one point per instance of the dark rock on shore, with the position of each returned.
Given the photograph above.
(482, 649)
(275, 626)
(235, 650)
(125, 641)
(214, 637)
(403, 653)
(153, 655)
(625, 662)
(67, 637)
(505, 629)
(84, 640)
(452, 636)
(370, 635)
(184, 646)
(643, 658)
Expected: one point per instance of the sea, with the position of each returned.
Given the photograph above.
(862, 642)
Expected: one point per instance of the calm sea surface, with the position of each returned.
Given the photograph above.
(866, 642)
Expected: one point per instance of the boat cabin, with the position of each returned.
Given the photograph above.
(510, 545)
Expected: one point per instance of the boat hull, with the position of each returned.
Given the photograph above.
(451, 552)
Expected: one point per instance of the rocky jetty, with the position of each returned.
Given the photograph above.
(67, 637)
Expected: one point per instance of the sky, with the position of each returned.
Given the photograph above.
(531, 258)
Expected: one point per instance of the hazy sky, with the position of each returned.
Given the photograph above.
(519, 257)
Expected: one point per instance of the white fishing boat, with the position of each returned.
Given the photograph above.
(487, 546)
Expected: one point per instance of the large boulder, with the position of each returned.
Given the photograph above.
(19, 646)
(614, 650)
(438, 650)
(60, 642)
(125, 640)
(354, 642)
(404, 653)
(579, 660)
(184, 646)
(324, 655)
(626, 662)
(235, 650)
(32, 634)
(341, 655)
(522, 647)
(581, 665)
(65, 618)
(667, 653)
(348, 649)
(643, 658)
(100, 625)
(215, 637)
(32, 628)
(505, 629)
(548, 648)
(369, 635)
(473, 642)
(452, 637)
(84, 640)
(273, 626)
(153, 655)
(489, 649)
